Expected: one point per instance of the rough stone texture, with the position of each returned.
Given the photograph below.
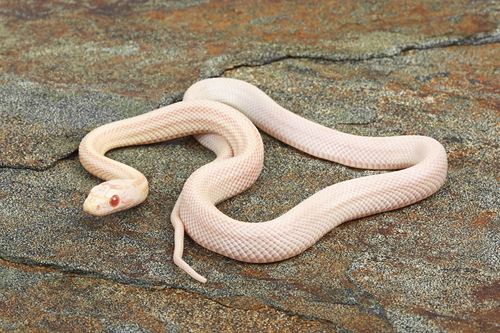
(363, 67)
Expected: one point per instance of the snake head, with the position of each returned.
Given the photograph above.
(112, 196)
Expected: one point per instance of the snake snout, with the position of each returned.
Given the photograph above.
(92, 207)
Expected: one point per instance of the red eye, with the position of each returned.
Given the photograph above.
(114, 201)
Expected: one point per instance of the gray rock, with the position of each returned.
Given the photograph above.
(428, 68)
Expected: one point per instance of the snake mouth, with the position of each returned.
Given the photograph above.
(92, 207)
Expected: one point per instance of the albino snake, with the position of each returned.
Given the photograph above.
(207, 112)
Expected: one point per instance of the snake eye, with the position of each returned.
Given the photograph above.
(114, 201)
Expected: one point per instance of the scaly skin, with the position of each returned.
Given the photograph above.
(208, 112)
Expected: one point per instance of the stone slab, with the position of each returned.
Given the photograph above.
(421, 67)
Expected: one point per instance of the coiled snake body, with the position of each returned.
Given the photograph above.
(208, 112)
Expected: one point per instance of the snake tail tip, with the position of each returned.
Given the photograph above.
(202, 279)
(196, 276)
(188, 269)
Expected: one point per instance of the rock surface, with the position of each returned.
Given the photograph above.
(388, 68)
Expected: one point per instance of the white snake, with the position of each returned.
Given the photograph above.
(208, 112)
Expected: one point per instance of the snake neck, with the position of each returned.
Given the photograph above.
(141, 184)
(92, 150)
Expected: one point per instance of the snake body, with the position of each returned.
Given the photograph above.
(208, 112)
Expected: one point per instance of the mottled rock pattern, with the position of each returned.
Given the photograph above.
(368, 68)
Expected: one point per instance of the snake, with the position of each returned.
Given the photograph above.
(221, 113)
